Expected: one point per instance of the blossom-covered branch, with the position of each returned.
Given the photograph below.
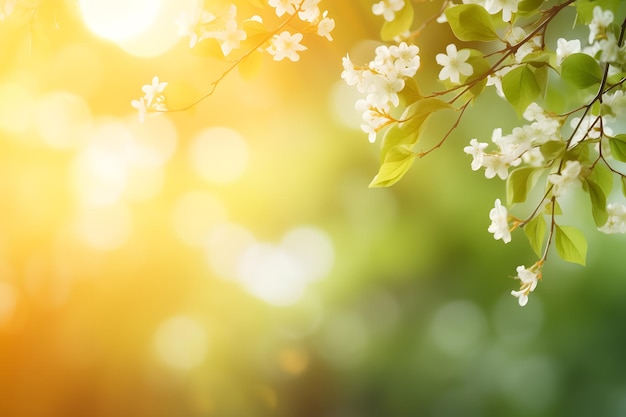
(564, 144)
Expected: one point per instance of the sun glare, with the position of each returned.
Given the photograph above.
(119, 20)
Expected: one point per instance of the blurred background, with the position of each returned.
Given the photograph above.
(230, 260)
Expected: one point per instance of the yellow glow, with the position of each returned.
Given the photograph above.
(104, 228)
(8, 302)
(181, 343)
(143, 183)
(195, 215)
(219, 155)
(62, 119)
(119, 20)
(16, 107)
(101, 169)
(225, 245)
(153, 141)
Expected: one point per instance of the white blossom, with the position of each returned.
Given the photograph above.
(309, 11)
(286, 45)
(407, 60)
(528, 282)
(140, 106)
(616, 223)
(284, 6)
(153, 99)
(591, 127)
(616, 101)
(517, 36)
(325, 26)
(152, 91)
(565, 48)
(600, 21)
(499, 226)
(610, 48)
(533, 157)
(387, 8)
(495, 165)
(496, 80)
(384, 91)
(508, 7)
(454, 64)
(566, 179)
(477, 151)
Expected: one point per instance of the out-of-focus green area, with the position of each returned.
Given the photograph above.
(230, 260)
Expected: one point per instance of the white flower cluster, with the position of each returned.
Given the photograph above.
(522, 145)
(499, 226)
(603, 45)
(381, 81)
(287, 45)
(223, 26)
(153, 99)
(600, 40)
(199, 24)
(564, 180)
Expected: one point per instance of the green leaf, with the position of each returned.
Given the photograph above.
(552, 149)
(529, 5)
(598, 202)
(581, 70)
(602, 176)
(399, 25)
(414, 116)
(519, 182)
(397, 162)
(557, 208)
(571, 244)
(541, 75)
(537, 59)
(471, 22)
(410, 93)
(520, 88)
(618, 147)
(535, 232)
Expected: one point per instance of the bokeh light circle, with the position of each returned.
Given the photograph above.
(62, 119)
(181, 343)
